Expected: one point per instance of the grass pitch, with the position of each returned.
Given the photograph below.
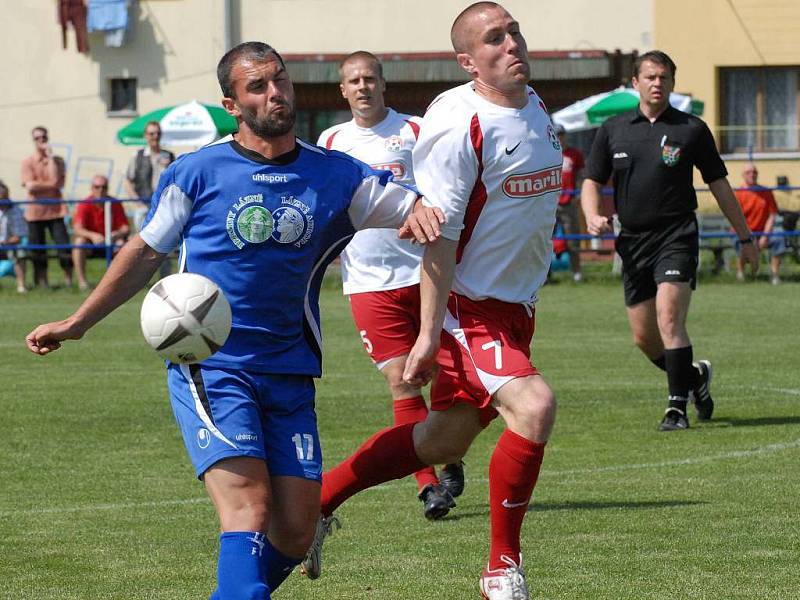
(97, 498)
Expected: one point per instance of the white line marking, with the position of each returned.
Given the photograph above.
(770, 449)
(792, 392)
(97, 507)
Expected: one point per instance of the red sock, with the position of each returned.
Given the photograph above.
(414, 410)
(387, 455)
(513, 470)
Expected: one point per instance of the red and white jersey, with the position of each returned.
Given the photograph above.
(496, 174)
(376, 259)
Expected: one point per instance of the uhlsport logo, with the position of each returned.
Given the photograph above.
(270, 178)
(203, 438)
(398, 169)
(250, 222)
(533, 184)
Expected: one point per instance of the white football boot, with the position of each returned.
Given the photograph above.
(311, 566)
(505, 584)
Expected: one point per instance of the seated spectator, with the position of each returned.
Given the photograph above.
(88, 225)
(13, 229)
(760, 211)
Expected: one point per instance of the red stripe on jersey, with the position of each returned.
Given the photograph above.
(414, 128)
(329, 143)
(477, 199)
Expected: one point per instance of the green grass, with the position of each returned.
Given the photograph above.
(98, 500)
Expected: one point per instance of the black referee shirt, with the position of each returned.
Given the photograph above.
(651, 164)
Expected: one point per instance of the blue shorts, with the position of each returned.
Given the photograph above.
(224, 413)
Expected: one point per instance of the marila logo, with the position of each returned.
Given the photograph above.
(533, 184)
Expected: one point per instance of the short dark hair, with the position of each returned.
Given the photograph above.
(654, 56)
(361, 54)
(3, 188)
(456, 33)
(156, 123)
(255, 51)
(39, 128)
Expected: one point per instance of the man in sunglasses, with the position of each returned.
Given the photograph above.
(43, 176)
(88, 224)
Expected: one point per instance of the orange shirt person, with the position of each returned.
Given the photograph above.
(760, 211)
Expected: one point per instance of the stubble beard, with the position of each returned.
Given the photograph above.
(272, 125)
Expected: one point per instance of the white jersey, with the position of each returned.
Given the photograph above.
(376, 259)
(496, 174)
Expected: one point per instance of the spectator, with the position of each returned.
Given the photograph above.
(89, 227)
(13, 229)
(760, 210)
(143, 174)
(567, 211)
(43, 177)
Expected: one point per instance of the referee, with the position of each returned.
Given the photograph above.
(649, 154)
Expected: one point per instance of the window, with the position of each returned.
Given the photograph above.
(122, 99)
(759, 109)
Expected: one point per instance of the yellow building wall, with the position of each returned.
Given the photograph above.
(703, 35)
(175, 45)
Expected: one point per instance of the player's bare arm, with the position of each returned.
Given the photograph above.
(131, 270)
(422, 225)
(591, 195)
(732, 210)
(436, 278)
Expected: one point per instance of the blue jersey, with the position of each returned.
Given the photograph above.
(264, 231)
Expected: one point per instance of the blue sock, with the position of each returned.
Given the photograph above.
(241, 574)
(277, 565)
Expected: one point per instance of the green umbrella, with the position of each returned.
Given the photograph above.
(190, 124)
(593, 111)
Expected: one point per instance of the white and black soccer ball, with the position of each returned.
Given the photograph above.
(185, 318)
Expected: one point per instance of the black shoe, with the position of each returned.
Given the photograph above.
(674, 419)
(452, 478)
(436, 501)
(701, 394)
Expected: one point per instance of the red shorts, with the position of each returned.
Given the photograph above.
(388, 321)
(485, 344)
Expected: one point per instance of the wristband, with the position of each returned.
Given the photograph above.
(747, 240)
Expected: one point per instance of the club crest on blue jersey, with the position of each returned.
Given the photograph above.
(294, 222)
(249, 222)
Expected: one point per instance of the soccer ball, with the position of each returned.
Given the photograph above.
(185, 318)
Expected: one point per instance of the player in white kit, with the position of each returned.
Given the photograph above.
(489, 157)
(380, 272)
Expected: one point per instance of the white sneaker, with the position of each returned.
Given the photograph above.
(505, 584)
(775, 280)
(311, 566)
(577, 277)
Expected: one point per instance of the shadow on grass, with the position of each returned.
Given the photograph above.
(758, 422)
(483, 509)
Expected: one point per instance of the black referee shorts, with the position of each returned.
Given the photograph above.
(656, 256)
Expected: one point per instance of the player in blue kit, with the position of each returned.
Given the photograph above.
(261, 214)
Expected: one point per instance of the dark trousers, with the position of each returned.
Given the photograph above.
(37, 235)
